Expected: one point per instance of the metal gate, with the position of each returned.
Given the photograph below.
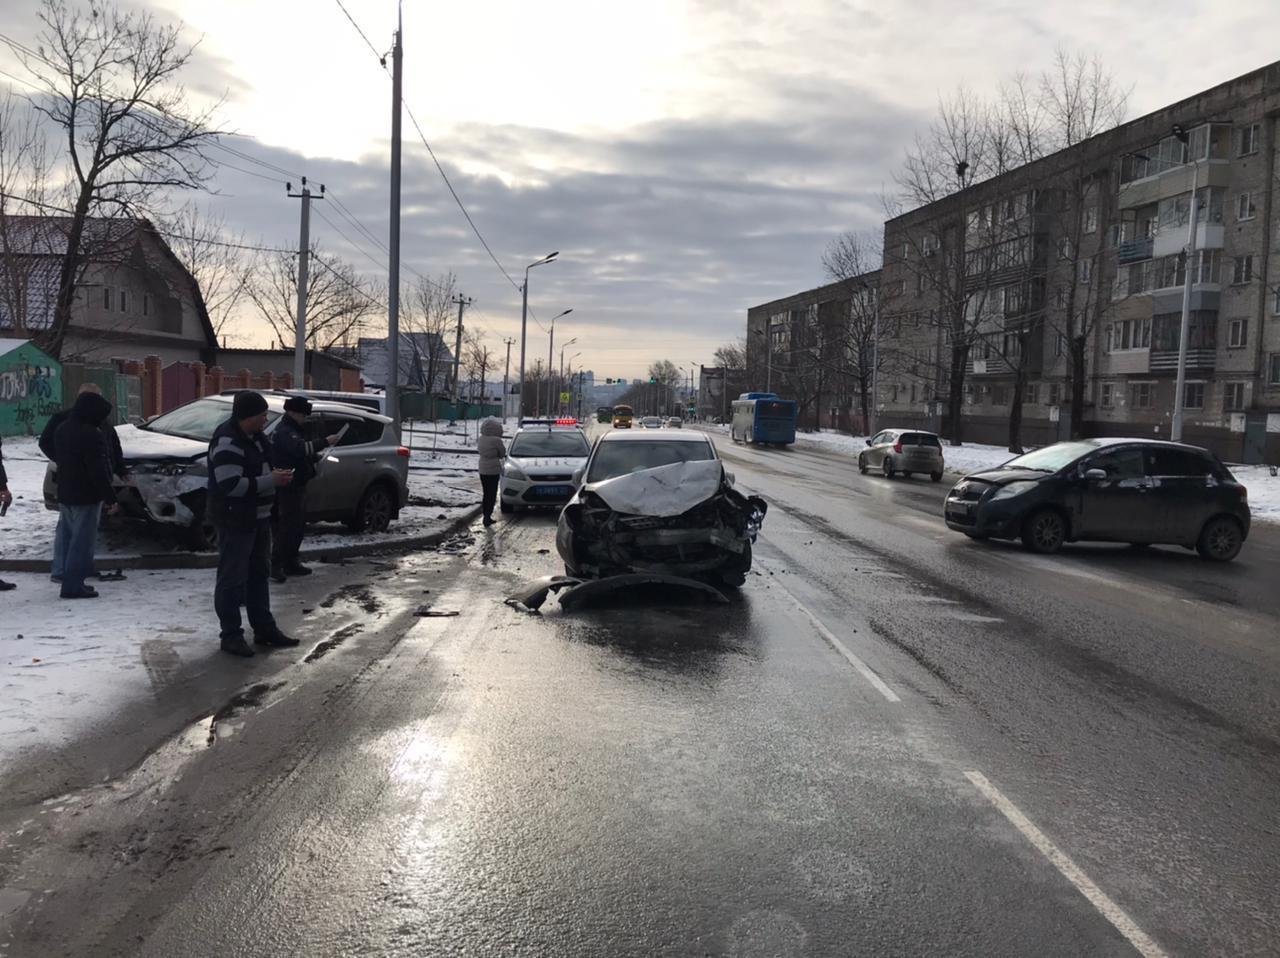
(1255, 438)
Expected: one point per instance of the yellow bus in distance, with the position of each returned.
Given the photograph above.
(621, 417)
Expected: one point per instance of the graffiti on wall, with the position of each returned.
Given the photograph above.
(29, 395)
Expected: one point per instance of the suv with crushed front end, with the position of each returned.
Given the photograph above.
(362, 481)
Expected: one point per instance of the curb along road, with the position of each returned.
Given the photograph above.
(209, 560)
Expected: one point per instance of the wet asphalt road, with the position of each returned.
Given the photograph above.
(892, 742)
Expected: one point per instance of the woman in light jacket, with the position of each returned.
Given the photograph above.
(492, 452)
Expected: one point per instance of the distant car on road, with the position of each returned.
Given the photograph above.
(674, 422)
(362, 481)
(540, 464)
(660, 504)
(905, 451)
(1140, 491)
(651, 422)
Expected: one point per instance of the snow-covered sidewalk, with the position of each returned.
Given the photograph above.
(440, 492)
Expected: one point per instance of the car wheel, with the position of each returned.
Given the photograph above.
(935, 476)
(735, 576)
(375, 510)
(1220, 539)
(506, 507)
(886, 467)
(862, 464)
(1044, 531)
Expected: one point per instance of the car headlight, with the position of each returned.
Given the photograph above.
(1013, 489)
(161, 469)
(512, 471)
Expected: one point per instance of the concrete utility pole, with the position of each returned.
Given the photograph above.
(463, 302)
(393, 279)
(506, 377)
(304, 257)
(524, 321)
(1189, 269)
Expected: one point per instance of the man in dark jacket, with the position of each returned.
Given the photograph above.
(242, 488)
(114, 453)
(84, 484)
(290, 449)
(6, 500)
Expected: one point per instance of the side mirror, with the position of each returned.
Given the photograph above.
(868, 442)
(577, 476)
(1095, 475)
(730, 477)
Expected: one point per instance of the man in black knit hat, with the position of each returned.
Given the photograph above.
(242, 488)
(291, 449)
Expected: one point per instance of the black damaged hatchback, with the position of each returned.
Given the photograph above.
(1140, 491)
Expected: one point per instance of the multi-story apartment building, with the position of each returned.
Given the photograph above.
(1079, 260)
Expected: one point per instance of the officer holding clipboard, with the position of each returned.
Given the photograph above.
(290, 449)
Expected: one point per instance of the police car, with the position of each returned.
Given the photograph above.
(540, 463)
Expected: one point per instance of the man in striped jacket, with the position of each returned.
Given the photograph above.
(242, 489)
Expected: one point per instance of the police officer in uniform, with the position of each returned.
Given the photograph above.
(291, 449)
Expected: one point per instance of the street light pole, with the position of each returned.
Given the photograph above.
(551, 348)
(562, 349)
(524, 322)
(1184, 330)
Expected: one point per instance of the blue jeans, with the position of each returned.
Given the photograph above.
(244, 563)
(78, 530)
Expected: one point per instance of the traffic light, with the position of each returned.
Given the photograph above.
(652, 380)
(608, 382)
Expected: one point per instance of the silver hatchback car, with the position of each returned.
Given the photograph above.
(905, 451)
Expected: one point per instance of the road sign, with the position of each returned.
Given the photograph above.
(565, 397)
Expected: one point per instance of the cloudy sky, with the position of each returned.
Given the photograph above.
(687, 159)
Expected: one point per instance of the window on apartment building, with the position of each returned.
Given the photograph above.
(1233, 396)
(1273, 369)
(1239, 333)
(1275, 302)
(1091, 220)
(1064, 249)
(146, 304)
(922, 283)
(999, 395)
(1242, 269)
(1060, 297)
(1247, 139)
(1245, 207)
(1129, 334)
(1055, 394)
(1012, 346)
(968, 394)
(106, 297)
(913, 392)
(1108, 398)
(1140, 395)
(1193, 396)
(893, 392)
(124, 301)
(1085, 270)
(1031, 393)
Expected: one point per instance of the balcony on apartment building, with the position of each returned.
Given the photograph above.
(1168, 168)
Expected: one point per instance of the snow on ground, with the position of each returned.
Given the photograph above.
(439, 491)
(1264, 491)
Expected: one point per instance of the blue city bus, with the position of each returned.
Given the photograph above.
(763, 417)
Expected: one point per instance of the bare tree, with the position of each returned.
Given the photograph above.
(849, 260)
(731, 355)
(215, 258)
(430, 312)
(478, 360)
(24, 190)
(110, 84)
(341, 303)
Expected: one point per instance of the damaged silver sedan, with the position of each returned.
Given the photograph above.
(658, 503)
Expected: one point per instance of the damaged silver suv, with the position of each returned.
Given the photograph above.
(659, 503)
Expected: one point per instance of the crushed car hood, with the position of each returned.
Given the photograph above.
(141, 445)
(665, 491)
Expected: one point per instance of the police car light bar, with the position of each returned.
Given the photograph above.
(566, 422)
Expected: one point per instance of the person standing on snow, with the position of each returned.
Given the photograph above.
(290, 449)
(6, 500)
(242, 487)
(84, 484)
(114, 454)
(492, 453)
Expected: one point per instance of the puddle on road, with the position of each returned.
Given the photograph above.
(358, 593)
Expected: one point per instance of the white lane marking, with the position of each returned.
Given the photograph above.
(863, 669)
(1069, 869)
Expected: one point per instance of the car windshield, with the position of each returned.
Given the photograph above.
(197, 420)
(620, 458)
(532, 445)
(1051, 458)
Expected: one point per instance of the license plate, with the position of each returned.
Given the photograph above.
(551, 491)
(959, 508)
